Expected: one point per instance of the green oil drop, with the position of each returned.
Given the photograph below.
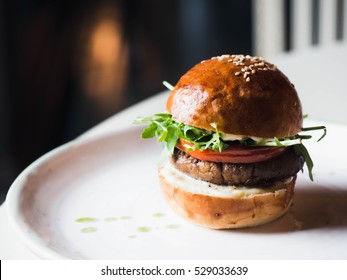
(159, 215)
(86, 220)
(144, 229)
(89, 229)
(111, 219)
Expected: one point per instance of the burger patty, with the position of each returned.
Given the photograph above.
(247, 174)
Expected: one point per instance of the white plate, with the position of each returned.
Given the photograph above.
(113, 180)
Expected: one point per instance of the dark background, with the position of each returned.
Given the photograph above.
(67, 65)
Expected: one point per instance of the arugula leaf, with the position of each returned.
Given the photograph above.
(168, 130)
(149, 132)
(316, 128)
(172, 139)
(301, 149)
(278, 142)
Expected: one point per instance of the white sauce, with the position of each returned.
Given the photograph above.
(189, 184)
(233, 137)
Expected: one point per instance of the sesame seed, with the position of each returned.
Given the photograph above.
(222, 57)
(249, 65)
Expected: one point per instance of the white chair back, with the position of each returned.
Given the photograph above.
(269, 24)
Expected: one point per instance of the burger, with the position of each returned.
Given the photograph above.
(231, 133)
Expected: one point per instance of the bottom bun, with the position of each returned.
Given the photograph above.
(227, 212)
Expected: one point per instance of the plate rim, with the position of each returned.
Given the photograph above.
(28, 236)
(12, 206)
(13, 213)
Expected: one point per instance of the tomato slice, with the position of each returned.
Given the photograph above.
(236, 153)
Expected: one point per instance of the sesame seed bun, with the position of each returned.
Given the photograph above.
(227, 212)
(243, 95)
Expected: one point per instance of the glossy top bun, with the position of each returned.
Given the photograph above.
(243, 95)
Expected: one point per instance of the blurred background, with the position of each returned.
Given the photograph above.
(67, 65)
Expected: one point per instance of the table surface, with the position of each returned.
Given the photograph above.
(318, 75)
